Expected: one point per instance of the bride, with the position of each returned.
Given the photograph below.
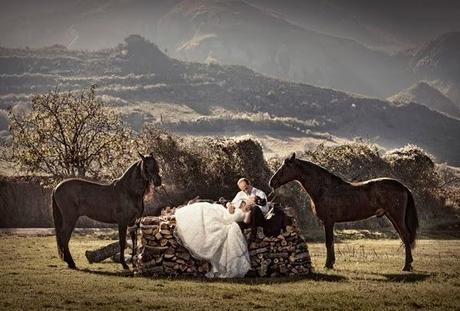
(210, 232)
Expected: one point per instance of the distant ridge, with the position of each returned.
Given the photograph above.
(427, 95)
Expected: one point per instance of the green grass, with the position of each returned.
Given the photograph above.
(367, 276)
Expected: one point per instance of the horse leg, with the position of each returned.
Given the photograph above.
(133, 235)
(405, 237)
(409, 259)
(66, 231)
(122, 239)
(330, 259)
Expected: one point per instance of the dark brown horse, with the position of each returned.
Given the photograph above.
(335, 200)
(119, 202)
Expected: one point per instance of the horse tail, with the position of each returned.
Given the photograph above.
(57, 216)
(411, 219)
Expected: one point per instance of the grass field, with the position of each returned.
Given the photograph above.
(367, 276)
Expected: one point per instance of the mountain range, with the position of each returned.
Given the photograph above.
(366, 47)
(148, 86)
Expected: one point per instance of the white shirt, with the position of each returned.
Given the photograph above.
(242, 196)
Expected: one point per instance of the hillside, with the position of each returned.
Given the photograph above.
(101, 24)
(87, 25)
(439, 58)
(235, 32)
(137, 78)
(379, 24)
(427, 95)
(438, 62)
(356, 46)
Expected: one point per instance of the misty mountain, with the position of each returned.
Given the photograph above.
(83, 24)
(427, 95)
(94, 25)
(438, 61)
(334, 44)
(439, 58)
(235, 32)
(390, 25)
(136, 76)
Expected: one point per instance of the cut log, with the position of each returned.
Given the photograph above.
(104, 252)
(156, 250)
(116, 258)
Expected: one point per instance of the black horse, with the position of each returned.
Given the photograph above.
(119, 202)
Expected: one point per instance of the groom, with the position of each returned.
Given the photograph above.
(253, 197)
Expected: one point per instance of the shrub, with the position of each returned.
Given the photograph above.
(206, 167)
(414, 167)
(355, 161)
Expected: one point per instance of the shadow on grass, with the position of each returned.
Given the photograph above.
(320, 277)
(405, 277)
(123, 273)
(402, 277)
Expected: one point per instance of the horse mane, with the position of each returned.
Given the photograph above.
(126, 172)
(322, 170)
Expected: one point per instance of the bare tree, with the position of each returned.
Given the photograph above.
(70, 134)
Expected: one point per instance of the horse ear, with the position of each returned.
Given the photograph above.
(151, 154)
(141, 155)
(292, 157)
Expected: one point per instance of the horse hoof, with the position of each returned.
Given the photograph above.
(329, 266)
(72, 266)
(407, 268)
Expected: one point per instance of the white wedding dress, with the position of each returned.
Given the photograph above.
(210, 232)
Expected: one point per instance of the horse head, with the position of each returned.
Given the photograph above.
(286, 173)
(150, 170)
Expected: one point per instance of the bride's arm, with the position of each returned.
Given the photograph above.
(246, 211)
(247, 217)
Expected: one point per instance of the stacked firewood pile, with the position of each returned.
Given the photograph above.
(285, 254)
(160, 252)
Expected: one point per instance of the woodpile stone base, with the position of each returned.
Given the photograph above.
(161, 254)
